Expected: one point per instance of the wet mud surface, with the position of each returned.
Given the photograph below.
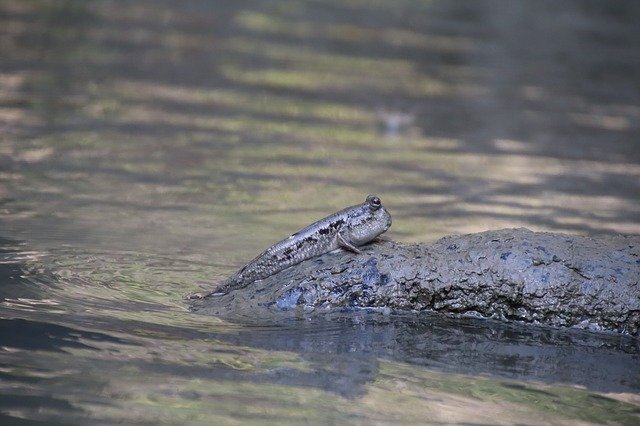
(512, 274)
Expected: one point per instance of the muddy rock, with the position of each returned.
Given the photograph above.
(510, 274)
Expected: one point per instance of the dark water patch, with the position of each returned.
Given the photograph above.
(36, 335)
(599, 363)
(13, 283)
(28, 404)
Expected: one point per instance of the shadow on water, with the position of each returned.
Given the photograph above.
(41, 336)
(19, 335)
(477, 347)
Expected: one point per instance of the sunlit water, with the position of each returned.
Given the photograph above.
(148, 149)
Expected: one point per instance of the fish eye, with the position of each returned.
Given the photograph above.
(374, 202)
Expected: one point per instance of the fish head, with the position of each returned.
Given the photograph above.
(367, 221)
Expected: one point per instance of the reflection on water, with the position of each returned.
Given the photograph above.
(149, 148)
(116, 343)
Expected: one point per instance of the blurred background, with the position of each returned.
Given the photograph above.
(150, 148)
(184, 122)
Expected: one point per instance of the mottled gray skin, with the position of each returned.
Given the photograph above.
(347, 229)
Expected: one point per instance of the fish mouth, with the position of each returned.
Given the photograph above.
(389, 221)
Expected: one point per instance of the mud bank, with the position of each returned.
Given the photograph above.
(510, 274)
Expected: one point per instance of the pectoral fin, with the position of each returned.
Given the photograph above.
(342, 242)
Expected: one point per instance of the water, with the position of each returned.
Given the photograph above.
(148, 149)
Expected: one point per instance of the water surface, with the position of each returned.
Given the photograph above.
(148, 149)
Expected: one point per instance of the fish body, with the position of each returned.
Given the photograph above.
(347, 229)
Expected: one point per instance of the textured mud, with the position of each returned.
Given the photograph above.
(511, 274)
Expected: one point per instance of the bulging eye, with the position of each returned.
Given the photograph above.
(374, 202)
